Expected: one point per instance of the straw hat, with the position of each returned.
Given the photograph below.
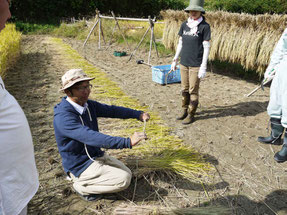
(72, 77)
(196, 5)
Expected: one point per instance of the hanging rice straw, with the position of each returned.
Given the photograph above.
(235, 37)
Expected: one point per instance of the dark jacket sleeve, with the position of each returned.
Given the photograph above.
(69, 126)
(112, 111)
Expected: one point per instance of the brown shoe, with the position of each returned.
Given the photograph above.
(182, 115)
(188, 120)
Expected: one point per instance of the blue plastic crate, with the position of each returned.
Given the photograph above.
(159, 74)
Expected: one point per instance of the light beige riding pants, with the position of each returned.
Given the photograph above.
(105, 175)
(190, 81)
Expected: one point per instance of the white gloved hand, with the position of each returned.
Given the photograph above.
(173, 65)
(202, 72)
(269, 74)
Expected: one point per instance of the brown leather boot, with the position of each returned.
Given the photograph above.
(184, 104)
(182, 115)
(191, 112)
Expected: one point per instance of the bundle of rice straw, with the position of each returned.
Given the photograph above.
(9, 47)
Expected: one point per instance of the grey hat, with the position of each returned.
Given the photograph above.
(196, 5)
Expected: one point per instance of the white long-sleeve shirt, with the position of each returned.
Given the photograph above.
(18, 173)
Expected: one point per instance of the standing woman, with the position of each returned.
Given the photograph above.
(277, 107)
(193, 48)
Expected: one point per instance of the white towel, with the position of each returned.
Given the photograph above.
(192, 24)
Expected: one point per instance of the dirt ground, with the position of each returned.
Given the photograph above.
(247, 180)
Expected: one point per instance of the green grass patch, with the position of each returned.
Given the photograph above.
(29, 28)
(77, 30)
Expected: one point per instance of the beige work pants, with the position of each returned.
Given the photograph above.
(190, 81)
(105, 175)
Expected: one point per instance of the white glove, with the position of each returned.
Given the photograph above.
(173, 65)
(269, 74)
(202, 72)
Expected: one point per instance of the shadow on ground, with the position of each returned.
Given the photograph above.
(240, 109)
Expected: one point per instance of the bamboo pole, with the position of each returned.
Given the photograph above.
(129, 19)
(152, 34)
(110, 40)
(100, 23)
(155, 44)
(151, 39)
(102, 32)
(139, 44)
(120, 29)
(90, 32)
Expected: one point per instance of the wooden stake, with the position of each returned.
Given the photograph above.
(120, 29)
(103, 34)
(151, 39)
(109, 44)
(154, 43)
(100, 23)
(139, 44)
(90, 32)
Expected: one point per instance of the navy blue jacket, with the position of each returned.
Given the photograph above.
(71, 134)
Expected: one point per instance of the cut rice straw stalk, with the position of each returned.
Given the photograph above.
(148, 209)
(144, 126)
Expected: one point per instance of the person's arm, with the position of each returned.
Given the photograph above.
(178, 48)
(203, 66)
(177, 53)
(206, 48)
(70, 126)
(112, 111)
(276, 56)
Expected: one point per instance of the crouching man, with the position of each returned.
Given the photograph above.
(79, 141)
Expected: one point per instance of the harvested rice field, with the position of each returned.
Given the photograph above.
(243, 177)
